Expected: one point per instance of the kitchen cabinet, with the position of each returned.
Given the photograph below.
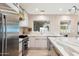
(37, 42)
(31, 42)
(24, 22)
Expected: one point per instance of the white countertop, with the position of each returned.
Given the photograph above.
(20, 40)
(47, 35)
(66, 46)
(43, 34)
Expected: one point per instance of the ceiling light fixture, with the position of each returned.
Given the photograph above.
(74, 8)
(60, 9)
(36, 9)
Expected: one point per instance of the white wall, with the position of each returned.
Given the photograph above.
(55, 23)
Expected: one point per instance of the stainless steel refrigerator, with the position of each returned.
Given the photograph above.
(9, 34)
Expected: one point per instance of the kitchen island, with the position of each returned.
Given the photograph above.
(63, 46)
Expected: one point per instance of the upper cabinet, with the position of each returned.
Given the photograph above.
(24, 21)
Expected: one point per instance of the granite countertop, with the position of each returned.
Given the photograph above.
(66, 47)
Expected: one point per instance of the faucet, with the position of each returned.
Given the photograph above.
(41, 32)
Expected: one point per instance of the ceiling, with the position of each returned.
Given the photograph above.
(48, 8)
(12, 17)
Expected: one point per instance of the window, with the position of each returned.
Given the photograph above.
(41, 26)
(65, 27)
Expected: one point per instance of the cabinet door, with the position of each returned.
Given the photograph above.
(40, 42)
(31, 42)
(24, 22)
(37, 42)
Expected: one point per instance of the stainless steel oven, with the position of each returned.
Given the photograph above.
(25, 46)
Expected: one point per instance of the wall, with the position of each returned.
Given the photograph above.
(23, 30)
(55, 23)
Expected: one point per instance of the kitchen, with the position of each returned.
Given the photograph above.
(39, 29)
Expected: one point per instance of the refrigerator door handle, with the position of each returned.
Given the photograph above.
(3, 36)
(5, 24)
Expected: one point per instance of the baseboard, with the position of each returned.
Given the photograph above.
(34, 48)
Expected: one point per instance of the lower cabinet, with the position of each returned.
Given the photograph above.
(37, 42)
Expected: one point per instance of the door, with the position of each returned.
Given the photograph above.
(12, 29)
(9, 35)
(41, 42)
(31, 42)
(37, 42)
(2, 35)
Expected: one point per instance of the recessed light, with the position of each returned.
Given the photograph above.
(36, 9)
(60, 9)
